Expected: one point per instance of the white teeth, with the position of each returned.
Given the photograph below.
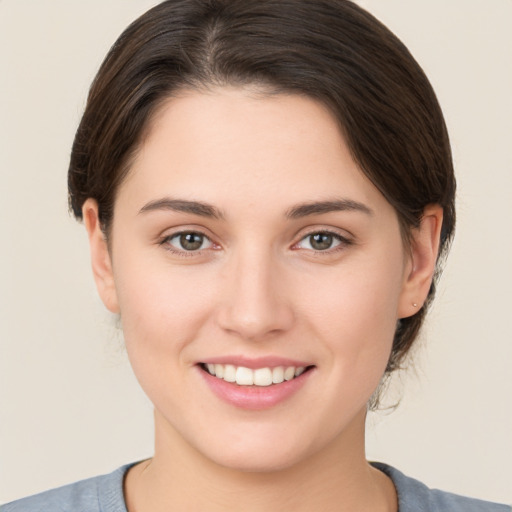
(263, 377)
(278, 375)
(260, 377)
(219, 370)
(289, 373)
(229, 373)
(244, 376)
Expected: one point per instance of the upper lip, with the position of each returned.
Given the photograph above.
(257, 362)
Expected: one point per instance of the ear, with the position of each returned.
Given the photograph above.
(100, 256)
(421, 265)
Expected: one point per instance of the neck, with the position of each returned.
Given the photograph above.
(336, 478)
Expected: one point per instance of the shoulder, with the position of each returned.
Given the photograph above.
(414, 496)
(99, 494)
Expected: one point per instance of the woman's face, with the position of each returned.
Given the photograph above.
(245, 236)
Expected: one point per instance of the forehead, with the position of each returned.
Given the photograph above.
(232, 144)
(225, 121)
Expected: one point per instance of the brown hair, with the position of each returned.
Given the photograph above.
(330, 50)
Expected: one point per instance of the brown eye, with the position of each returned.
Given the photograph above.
(189, 241)
(321, 241)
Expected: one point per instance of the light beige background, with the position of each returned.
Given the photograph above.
(70, 407)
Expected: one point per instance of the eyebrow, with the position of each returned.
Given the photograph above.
(319, 207)
(182, 205)
(295, 212)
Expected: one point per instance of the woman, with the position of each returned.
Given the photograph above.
(267, 189)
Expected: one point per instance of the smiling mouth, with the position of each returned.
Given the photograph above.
(262, 377)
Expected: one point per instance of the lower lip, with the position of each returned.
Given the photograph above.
(254, 397)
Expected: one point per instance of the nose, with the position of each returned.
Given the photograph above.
(256, 304)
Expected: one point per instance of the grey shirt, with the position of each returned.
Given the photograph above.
(105, 494)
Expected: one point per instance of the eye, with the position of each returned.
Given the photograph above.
(189, 241)
(321, 241)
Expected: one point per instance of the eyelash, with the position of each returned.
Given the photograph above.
(342, 243)
(184, 253)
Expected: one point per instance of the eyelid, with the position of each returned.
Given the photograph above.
(164, 240)
(343, 239)
(180, 229)
(178, 236)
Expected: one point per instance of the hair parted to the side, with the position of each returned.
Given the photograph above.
(329, 50)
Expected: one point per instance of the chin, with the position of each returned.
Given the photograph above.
(258, 452)
(257, 462)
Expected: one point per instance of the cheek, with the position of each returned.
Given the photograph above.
(358, 329)
(162, 308)
(356, 314)
(162, 313)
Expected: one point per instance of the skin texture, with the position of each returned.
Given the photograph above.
(257, 288)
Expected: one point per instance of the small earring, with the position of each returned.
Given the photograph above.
(415, 305)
